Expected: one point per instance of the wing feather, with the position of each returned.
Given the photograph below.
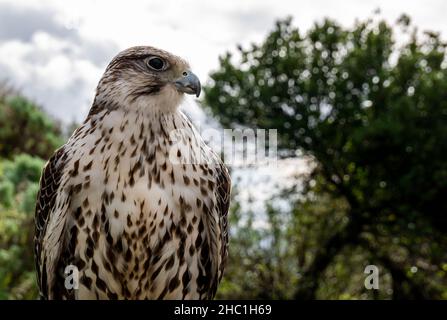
(223, 193)
(50, 182)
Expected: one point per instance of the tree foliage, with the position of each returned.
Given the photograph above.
(28, 136)
(19, 180)
(372, 115)
(25, 128)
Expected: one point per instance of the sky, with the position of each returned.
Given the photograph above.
(56, 51)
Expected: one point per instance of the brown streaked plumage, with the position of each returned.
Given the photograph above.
(135, 200)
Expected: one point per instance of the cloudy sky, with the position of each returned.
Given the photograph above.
(55, 51)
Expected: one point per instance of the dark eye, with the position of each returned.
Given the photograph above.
(156, 63)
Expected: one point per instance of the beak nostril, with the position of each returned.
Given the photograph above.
(188, 83)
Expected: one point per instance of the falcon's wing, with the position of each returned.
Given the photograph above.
(217, 229)
(223, 191)
(46, 199)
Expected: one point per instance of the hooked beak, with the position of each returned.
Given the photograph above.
(189, 83)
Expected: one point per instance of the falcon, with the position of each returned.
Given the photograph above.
(134, 205)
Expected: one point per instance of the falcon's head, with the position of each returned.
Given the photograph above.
(146, 77)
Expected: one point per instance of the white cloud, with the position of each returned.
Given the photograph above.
(49, 70)
(55, 66)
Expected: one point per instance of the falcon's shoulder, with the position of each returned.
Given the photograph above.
(46, 198)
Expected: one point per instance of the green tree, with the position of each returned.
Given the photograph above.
(21, 177)
(372, 115)
(25, 128)
(27, 134)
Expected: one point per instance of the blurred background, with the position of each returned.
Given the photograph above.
(357, 92)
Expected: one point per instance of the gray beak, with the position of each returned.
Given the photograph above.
(189, 83)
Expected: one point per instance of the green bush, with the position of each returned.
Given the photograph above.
(19, 179)
(26, 128)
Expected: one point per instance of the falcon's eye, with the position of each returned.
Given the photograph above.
(156, 63)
